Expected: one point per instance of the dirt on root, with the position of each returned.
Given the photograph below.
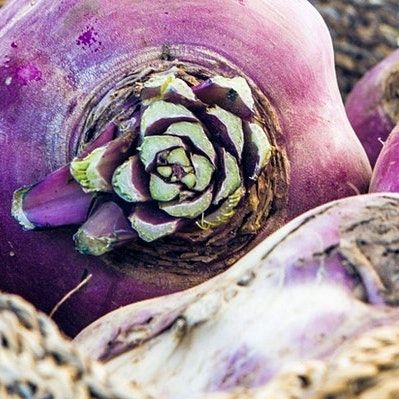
(370, 246)
(364, 32)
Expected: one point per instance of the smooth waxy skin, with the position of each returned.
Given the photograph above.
(56, 55)
(301, 294)
(385, 176)
(366, 109)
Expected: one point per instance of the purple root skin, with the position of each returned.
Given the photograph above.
(58, 57)
(385, 176)
(373, 105)
(301, 294)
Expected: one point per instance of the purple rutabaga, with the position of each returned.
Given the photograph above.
(301, 294)
(373, 105)
(175, 136)
(385, 176)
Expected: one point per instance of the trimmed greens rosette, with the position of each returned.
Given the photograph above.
(182, 160)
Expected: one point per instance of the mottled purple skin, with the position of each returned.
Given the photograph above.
(241, 366)
(67, 49)
(297, 296)
(385, 176)
(365, 111)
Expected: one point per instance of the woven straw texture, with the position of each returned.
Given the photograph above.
(36, 361)
(368, 369)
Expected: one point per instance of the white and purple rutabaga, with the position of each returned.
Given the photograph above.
(175, 136)
(373, 105)
(38, 362)
(363, 368)
(304, 292)
(385, 177)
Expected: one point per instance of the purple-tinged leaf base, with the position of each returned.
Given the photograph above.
(57, 200)
(106, 229)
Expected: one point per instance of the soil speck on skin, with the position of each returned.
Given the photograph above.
(166, 53)
(89, 39)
